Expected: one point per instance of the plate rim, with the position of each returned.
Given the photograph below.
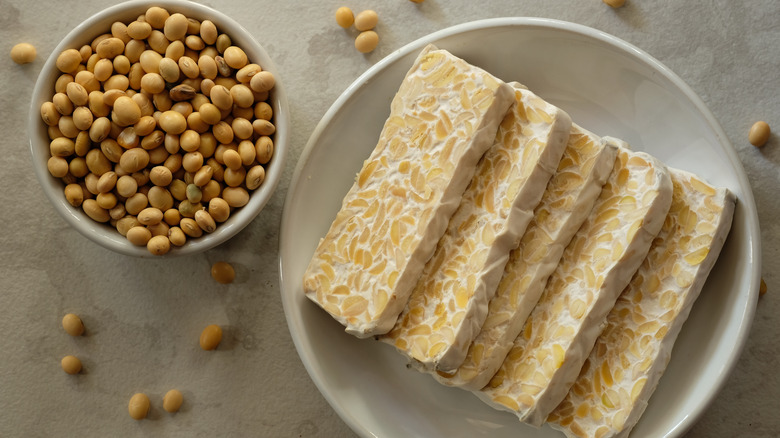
(746, 199)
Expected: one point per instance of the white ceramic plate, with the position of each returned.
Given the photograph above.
(608, 87)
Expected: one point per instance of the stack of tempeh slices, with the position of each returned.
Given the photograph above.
(508, 251)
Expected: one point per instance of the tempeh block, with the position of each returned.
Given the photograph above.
(630, 356)
(595, 268)
(450, 301)
(443, 118)
(567, 200)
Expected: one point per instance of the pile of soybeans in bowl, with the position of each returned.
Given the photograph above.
(158, 131)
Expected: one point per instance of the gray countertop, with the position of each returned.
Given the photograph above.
(143, 317)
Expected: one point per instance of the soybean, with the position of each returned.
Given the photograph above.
(255, 177)
(223, 272)
(235, 196)
(211, 190)
(110, 48)
(78, 167)
(172, 217)
(95, 211)
(344, 17)
(106, 201)
(160, 176)
(159, 229)
(122, 63)
(208, 67)
(203, 176)
(150, 216)
(124, 224)
(172, 122)
(74, 194)
(118, 212)
(264, 147)
(205, 221)
(138, 407)
(71, 364)
(235, 57)
(145, 126)
(263, 127)
(223, 132)
(221, 98)
(219, 209)
(192, 161)
(126, 111)
(97, 163)
(126, 186)
(58, 166)
(135, 203)
(111, 149)
(159, 245)
(177, 236)
(262, 81)
(245, 73)
(87, 79)
(175, 27)
(158, 42)
(208, 32)
(107, 182)
(49, 114)
(158, 155)
(152, 83)
(62, 82)
(139, 30)
(175, 50)
(759, 134)
(190, 227)
(263, 111)
(194, 195)
(73, 324)
(169, 69)
(366, 41)
(23, 53)
(211, 337)
(62, 103)
(68, 61)
(209, 113)
(188, 208)
(77, 93)
(156, 16)
(366, 20)
(189, 67)
(242, 128)
(82, 144)
(234, 177)
(98, 105)
(134, 160)
(172, 400)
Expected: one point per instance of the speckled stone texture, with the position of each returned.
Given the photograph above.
(143, 317)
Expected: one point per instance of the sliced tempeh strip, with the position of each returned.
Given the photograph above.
(442, 120)
(595, 267)
(449, 303)
(569, 197)
(631, 354)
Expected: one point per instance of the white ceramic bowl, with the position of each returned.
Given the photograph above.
(100, 23)
(609, 87)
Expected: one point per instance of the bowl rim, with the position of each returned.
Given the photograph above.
(747, 200)
(103, 234)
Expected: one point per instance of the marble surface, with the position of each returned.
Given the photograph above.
(143, 317)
